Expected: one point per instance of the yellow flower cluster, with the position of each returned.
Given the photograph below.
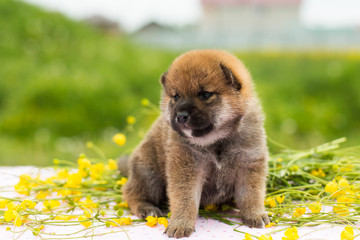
(153, 221)
(344, 193)
(271, 201)
(15, 212)
(115, 222)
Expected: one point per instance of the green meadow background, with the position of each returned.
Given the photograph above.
(63, 83)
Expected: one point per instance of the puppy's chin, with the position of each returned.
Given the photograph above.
(203, 137)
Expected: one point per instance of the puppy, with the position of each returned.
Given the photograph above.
(207, 147)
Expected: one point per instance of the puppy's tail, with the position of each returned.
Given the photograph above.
(122, 163)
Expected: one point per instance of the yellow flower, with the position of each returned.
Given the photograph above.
(344, 199)
(298, 212)
(18, 222)
(347, 233)
(26, 203)
(63, 174)
(64, 217)
(8, 228)
(112, 164)
(23, 187)
(247, 236)
(315, 207)
(280, 199)
(88, 204)
(211, 207)
(12, 206)
(343, 183)
(121, 221)
(84, 221)
(341, 210)
(265, 237)
(291, 234)
(51, 204)
(331, 187)
(3, 203)
(347, 168)
(9, 215)
(64, 192)
(145, 102)
(83, 162)
(96, 171)
(131, 120)
(41, 195)
(151, 221)
(74, 180)
(270, 225)
(56, 161)
(163, 221)
(122, 181)
(318, 173)
(123, 205)
(270, 201)
(294, 168)
(119, 139)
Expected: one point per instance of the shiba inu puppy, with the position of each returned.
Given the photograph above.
(207, 147)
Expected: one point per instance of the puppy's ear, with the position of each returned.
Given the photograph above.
(230, 78)
(163, 78)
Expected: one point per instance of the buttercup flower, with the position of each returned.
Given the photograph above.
(247, 236)
(112, 164)
(82, 219)
(270, 224)
(341, 210)
(315, 207)
(51, 204)
(347, 233)
(26, 203)
(3, 203)
(10, 215)
(122, 181)
(291, 234)
(145, 102)
(280, 199)
(270, 201)
(331, 187)
(121, 221)
(163, 221)
(18, 221)
(151, 221)
(119, 139)
(265, 237)
(298, 212)
(131, 120)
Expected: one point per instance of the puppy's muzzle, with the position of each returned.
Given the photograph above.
(182, 117)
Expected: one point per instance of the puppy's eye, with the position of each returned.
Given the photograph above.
(176, 97)
(205, 95)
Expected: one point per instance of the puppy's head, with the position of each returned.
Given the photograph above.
(205, 94)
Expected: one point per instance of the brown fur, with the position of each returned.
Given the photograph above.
(219, 156)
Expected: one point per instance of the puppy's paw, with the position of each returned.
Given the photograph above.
(179, 229)
(144, 211)
(256, 220)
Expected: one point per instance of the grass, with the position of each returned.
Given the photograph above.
(63, 83)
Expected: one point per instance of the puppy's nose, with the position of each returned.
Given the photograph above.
(182, 117)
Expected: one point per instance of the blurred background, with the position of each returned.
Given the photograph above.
(73, 71)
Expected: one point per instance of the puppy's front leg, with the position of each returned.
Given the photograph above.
(184, 191)
(250, 193)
